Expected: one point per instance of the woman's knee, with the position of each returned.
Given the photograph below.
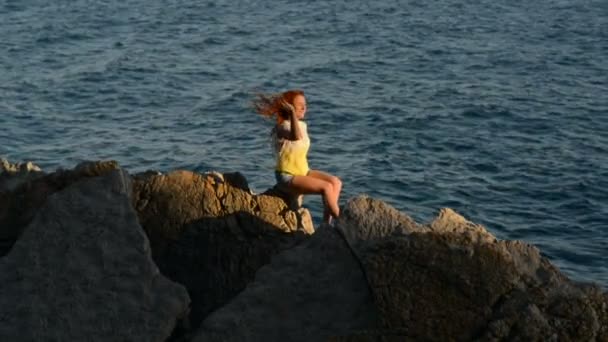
(336, 183)
(328, 188)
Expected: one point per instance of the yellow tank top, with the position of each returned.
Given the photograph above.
(292, 156)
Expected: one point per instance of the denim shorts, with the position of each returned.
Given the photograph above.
(283, 178)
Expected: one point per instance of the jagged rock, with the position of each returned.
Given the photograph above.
(374, 220)
(82, 270)
(447, 280)
(19, 205)
(13, 175)
(8, 167)
(377, 276)
(452, 280)
(307, 293)
(210, 233)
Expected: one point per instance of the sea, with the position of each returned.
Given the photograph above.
(497, 109)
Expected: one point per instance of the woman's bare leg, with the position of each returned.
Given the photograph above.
(312, 185)
(335, 182)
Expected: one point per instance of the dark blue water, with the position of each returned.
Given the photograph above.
(498, 109)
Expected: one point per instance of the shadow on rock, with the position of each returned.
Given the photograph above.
(215, 259)
(211, 234)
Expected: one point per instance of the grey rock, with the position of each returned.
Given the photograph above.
(19, 205)
(12, 175)
(82, 271)
(8, 167)
(379, 276)
(210, 233)
(376, 276)
(308, 293)
(374, 220)
(453, 280)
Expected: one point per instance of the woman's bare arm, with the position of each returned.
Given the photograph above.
(295, 133)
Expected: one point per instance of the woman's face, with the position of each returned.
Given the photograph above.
(299, 104)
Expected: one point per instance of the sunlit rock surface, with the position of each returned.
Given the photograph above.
(447, 280)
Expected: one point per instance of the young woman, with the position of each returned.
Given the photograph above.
(291, 143)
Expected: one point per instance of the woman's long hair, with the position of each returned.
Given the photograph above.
(272, 105)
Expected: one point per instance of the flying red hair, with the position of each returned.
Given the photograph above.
(272, 105)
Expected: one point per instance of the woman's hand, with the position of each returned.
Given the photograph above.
(288, 107)
(295, 132)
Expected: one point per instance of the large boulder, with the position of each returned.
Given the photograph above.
(20, 201)
(452, 280)
(309, 293)
(82, 271)
(447, 280)
(210, 233)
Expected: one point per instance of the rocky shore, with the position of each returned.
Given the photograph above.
(95, 253)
